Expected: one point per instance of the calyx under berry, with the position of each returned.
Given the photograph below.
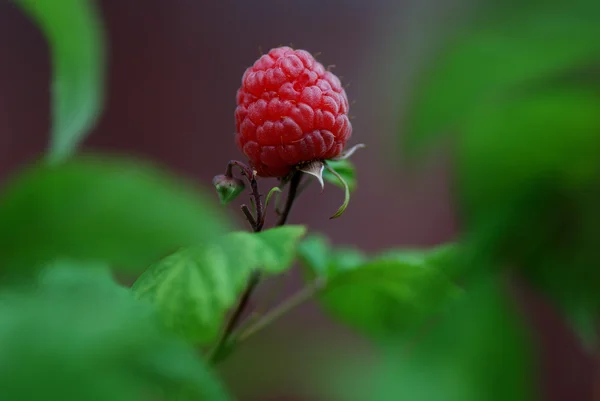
(316, 168)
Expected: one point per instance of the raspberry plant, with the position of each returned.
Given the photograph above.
(525, 132)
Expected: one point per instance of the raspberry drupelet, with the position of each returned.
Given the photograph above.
(290, 111)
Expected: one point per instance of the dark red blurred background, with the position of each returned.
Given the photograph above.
(174, 67)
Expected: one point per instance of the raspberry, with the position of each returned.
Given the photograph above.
(290, 111)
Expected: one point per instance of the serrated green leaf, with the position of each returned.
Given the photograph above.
(383, 297)
(109, 346)
(344, 168)
(74, 32)
(271, 250)
(111, 210)
(496, 58)
(195, 287)
(393, 292)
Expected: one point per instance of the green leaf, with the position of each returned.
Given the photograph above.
(74, 32)
(513, 147)
(320, 261)
(108, 345)
(195, 287)
(344, 168)
(496, 58)
(477, 350)
(100, 209)
(528, 187)
(585, 322)
(443, 258)
(394, 292)
(383, 297)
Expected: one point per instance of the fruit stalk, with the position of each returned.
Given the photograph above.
(255, 276)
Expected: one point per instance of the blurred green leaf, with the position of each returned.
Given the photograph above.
(195, 287)
(345, 168)
(562, 263)
(394, 292)
(344, 258)
(106, 209)
(74, 32)
(585, 322)
(478, 349)
(529, 183)
(319, 260)
(314, 251)
(387, 296)
(510, 147)
(79, 336)
(495, 58)
(526, 129)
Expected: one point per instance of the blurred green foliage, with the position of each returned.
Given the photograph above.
(75, 35)
(477, 349)
(499, 55)
(67, 330)
(195, 287)
(516, 93)
(115, 210)
(391, 294)
(77, 335)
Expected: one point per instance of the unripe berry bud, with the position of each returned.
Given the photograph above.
(228, 188)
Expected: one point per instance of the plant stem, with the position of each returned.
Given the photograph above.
(286, 306)
(295, 181)
(236, 316)
(249, 217)
(257, 223)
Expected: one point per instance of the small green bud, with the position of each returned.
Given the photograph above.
(228, 188)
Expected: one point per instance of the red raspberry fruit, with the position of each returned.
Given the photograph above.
(290, 110)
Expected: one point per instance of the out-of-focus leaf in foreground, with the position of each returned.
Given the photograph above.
(508, 148)
(393, 293)
(74, 32)
(477, 350)
(496, 56)
(529, 179)
(112, 210)
(78, 336)
(194, 288)
(321, 261)
(525, 129)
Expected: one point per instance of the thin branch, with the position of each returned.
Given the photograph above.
(295, 181)
(286, 306)
(249, 216)
(257, 223)
(251, 177)
(257, 227)
(235, 317)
